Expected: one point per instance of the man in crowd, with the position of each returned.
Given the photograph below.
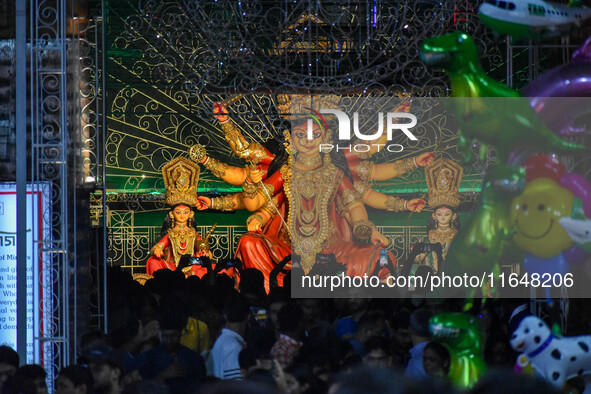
(9, 362)
(420, 337)
(377, 353)
(74, 379)
(172, 361)
(291, 328)
(106, 371)
(227, 347)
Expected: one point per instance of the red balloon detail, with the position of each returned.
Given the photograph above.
(543, 166)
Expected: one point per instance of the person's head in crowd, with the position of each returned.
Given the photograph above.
(171, 329)
(489, 318)
(30, 379)
(436, 359)
(346, 327)
(75, 379)
(498, 352)
(321, 372)
(236, 313)
(263, 377)
(92, 340)
(126, 334)
(341, 306)
(166, 281)
(351, 362)
(423, 272)
(252, 285)
(224, 282)
(358, 306)
(277, 298)
(297, 378)
(419, 326)
(368, 380)
(239, 387)
(574, 385)
(401, 331)
(312, 309)
(9, 362)
(377, 353)
(504, 381)
(146, 387)
(371, 324)
(290, 319)
(107, 371)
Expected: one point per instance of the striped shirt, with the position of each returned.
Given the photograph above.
(224, 355)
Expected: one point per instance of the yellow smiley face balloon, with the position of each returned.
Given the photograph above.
(535, 215)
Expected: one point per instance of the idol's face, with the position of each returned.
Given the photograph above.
(305, 146)
(181, 214)
(443, 216)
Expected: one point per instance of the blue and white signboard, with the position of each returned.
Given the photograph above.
(37, 206)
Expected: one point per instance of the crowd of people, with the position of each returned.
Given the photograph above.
(185, 335)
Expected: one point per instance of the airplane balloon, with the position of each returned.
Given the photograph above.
(532, 18)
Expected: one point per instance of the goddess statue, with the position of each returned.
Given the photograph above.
(179, 236)
(267, 191)
(443, 179)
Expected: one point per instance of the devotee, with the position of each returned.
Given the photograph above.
(401, 338)
(291, 328)
(376, 351)
(277, 299)
(420, 336)
(172, 361)
(30, 379)
(227, 347)
(372, 323)
(436, 360)
(106, 371)
(347, 326)
(9, 362)
(75, 379)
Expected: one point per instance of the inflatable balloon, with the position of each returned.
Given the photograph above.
(551, 265)
(462, 336)
(583, 53)
(477, 248)
(580, 187)
(504, 124)
(543, 166)
(579, 230)
(535, 214)
(570, 80)
(575, 254)
(554, 359)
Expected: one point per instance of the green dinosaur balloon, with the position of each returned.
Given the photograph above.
(486, 110)
(461, 335)
(477, 248)
(456, 52)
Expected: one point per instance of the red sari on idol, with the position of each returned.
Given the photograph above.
(175, 244)
(318, 199)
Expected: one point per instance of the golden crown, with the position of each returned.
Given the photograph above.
(296, 106)
(443, 178)
(181, 176)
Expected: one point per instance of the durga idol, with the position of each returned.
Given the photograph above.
(443, 178)
(179, 236)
